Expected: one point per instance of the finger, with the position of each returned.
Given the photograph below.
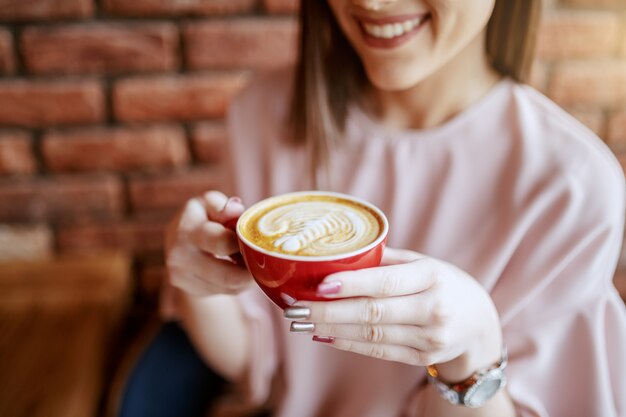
(399, 256)
(393, 353)
(198, 285)
(383, 281)
(213, 201)
(193, 215)
(221, 208)
(232, 210)
(388, 334)
(365, 310)
(187, 261)
(194, 285)
(214, 238)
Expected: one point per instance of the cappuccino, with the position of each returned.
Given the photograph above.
(312, 224)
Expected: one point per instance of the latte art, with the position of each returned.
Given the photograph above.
(317, 228)
(311, 225)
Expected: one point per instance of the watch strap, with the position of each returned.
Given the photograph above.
(458, 393)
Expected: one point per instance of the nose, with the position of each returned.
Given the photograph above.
(373, 4)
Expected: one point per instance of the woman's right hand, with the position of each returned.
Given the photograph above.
(198, 246)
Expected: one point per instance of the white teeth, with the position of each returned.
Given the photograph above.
(398, 29)
(388, 31)
(391, 30)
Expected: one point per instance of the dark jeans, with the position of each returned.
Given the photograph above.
(170, 379)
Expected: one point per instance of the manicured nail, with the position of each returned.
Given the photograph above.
(298, 327)
(329, 288)
(324, 339)
(229, 201)
(289, 300)
(296, 313)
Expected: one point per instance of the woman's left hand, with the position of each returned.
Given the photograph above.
(414, 309)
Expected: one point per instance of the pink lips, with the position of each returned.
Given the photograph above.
(384, 43)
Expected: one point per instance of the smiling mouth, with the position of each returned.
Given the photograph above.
(391, 32)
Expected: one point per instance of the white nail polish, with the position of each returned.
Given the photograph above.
(298, 327)
(297, 313)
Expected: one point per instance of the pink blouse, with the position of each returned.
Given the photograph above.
(514, 191)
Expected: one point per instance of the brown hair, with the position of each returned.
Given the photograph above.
(329, 75)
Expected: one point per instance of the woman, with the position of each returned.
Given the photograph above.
(507, 215)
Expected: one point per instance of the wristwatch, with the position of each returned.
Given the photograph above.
(476, 390)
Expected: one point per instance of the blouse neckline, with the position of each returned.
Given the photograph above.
(367, 123)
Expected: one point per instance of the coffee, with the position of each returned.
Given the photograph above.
(311, 225)
(291, 242)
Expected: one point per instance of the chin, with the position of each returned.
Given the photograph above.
(393, 81)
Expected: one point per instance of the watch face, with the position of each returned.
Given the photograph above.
(482, 393)
(476, 390)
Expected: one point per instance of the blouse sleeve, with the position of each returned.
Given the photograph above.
(241, 154)
(243, 161)
(563, 321)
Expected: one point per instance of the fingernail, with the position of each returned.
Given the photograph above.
(298, 327)
(329, 288)
(231, 200)
(297, 313)
(289, 300)
(323, 339)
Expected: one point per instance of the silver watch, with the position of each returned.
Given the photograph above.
(476, 390)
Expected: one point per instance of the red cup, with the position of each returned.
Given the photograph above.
(288, 278)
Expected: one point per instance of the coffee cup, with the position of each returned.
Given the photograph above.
(291, 242)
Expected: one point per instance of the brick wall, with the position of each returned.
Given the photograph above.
(111, 111)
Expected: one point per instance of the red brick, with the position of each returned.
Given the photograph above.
(20, 10)
(48, 103)
(593, 119)
(152, 279)
(188, 97)
(115, 148)
(208, 141)
(177, 7)
(617, 130)
(60, 197)
(23, 242)
(16, 153)
(7, 60)
(281, 6)
(161, 192)
(259, 43)
(137, 235)
(578, 35)
(590, 84)
(100, 48)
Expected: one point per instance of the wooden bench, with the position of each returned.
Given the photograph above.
(56, 322)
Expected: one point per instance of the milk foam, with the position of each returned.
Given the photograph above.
(318, 228)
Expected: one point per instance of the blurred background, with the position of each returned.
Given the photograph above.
(111, 116)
